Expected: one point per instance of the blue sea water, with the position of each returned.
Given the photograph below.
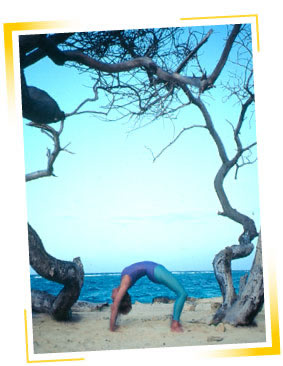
(97, 287)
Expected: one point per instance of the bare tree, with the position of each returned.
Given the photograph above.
(155, 73)
(40, 108)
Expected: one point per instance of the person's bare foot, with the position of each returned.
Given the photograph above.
(176, 327)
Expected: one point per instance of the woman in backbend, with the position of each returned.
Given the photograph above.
(156, 273)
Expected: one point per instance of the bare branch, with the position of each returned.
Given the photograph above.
(30, 46)
(245, 106)
(66, 150)
(192, 53)
(209, 124)
(223, 59)
(162, 113)
(138, 62)
(175, 139)
(84, 102)
(238, 166)
(55, 136)
(149, 149)
(248, 224)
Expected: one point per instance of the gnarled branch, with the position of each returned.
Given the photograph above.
(70, 274)
(55, 136)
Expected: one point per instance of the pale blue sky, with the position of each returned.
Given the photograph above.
(112, 206)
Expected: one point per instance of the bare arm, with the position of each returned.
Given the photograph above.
(125, 284)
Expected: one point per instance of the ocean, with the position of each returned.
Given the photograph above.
(97, 287)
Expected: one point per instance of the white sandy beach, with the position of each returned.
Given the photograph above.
(146, 326)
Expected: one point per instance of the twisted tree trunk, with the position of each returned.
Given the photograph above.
(222, 261)
(239, 309)
(70, 274)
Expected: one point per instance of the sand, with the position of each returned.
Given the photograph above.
(146, 326)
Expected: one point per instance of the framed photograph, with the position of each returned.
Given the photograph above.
(140, 161)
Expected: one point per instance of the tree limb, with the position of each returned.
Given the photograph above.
(208, 121)
(193, 52)
(31, 49)
(39, 107)
(245, 221)
(55, 136)
(175, 139)
(223, 59)
(70, 274)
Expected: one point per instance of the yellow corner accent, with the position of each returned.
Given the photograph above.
(231, 16)
(40, 361)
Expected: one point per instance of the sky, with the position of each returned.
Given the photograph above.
(112, 206)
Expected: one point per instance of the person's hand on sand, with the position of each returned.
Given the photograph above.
(114, 328)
